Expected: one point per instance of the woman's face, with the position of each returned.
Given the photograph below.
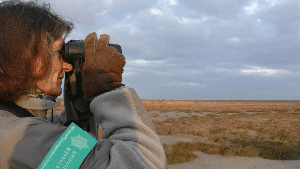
(51, 84)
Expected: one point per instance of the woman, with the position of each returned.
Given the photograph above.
(30, 41)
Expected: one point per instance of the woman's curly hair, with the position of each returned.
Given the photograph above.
(28, 31)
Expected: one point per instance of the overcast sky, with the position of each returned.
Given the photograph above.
(198, 49)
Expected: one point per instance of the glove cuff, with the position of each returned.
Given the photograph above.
(89, 100)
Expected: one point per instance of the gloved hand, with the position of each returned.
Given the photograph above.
(103, 67)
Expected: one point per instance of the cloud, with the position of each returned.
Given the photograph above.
(264, 71)
(186, 84)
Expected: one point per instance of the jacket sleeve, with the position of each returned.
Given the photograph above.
(129, 138)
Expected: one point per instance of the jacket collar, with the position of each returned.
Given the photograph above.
(29, 102)
(26, 105)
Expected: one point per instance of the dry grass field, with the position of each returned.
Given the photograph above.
(272, 134)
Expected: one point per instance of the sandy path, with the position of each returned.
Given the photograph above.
(205, 161)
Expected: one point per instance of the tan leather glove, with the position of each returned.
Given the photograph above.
(103, 67)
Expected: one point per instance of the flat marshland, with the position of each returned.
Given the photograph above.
(271, 133)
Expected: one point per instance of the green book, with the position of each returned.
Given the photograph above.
(70, 150)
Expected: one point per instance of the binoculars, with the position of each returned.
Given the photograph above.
(76, 109)
(74, 50)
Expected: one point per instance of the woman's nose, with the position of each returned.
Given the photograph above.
(67, 67)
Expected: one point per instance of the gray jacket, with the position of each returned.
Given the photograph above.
(129, 140)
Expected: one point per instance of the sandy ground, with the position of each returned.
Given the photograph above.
(205, 161)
